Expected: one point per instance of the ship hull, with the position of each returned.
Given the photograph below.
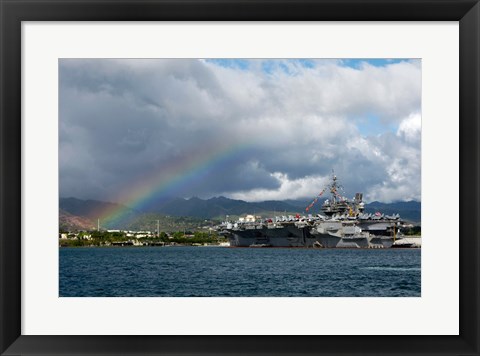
(285, 236)
(302, 237)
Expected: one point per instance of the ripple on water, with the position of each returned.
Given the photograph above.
(190, 271)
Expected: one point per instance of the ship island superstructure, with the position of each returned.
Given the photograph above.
(341, 223)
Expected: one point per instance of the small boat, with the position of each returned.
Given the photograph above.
(402, 244)
(260, 245)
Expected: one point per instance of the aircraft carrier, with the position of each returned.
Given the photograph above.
(341, 223)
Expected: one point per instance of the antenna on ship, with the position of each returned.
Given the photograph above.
(334, 190)
(333, 187)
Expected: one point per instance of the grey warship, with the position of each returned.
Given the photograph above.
(341, 223)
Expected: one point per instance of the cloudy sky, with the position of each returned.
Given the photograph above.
(245, 129)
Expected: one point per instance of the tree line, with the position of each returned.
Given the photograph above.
(101, 238)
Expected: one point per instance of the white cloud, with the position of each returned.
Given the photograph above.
(410, 128)
(293, 189)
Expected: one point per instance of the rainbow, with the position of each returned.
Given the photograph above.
(172, 178)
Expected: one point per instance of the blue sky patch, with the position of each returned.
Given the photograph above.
(357, 63)
(242, 64)
(372, 125)
(270, 65)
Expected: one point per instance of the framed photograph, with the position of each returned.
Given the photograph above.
(239, 177)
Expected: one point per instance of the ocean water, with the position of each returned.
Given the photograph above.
(238, 272)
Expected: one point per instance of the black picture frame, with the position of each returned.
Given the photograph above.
(13, 12)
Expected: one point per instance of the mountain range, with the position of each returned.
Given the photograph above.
(84, 213)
